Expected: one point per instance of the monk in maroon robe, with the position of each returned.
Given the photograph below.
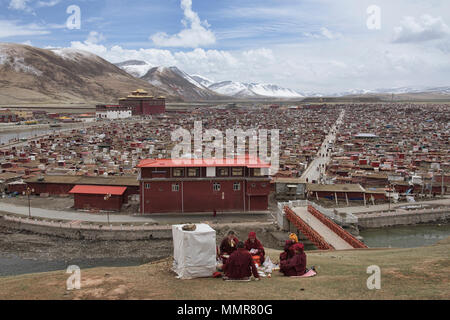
(288, 247)
(255, 247)
(240, 265)
(228, 246)
(295, 266)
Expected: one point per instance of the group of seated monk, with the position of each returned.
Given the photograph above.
(239, 258)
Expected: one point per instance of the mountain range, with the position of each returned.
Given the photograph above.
(30, 75)
(179, 82)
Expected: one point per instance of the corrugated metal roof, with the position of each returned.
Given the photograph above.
(86, 180)
(335, 188)
(103, 190)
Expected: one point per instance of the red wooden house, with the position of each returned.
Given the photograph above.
(93, 197)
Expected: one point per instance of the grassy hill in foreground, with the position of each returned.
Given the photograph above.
(417, 273)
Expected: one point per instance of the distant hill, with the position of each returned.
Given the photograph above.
(197, 87)
(34, 75)
(179, 83)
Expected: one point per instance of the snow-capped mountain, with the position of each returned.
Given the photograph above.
(141, 69)
(270, 90)
(395, 91)
(233, 89)
(177, 82)
(249, 90)
(136, 68)
(173, 79)
(202, 80)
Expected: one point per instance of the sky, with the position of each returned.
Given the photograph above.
(322, 46)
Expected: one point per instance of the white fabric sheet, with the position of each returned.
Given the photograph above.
(194, 251)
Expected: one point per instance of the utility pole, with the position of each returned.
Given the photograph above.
(107, 197)
(28, 192)
(431, 184)
(389, 198)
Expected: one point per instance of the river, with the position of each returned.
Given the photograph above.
(6, 137)
(12, 265)
(405, 236)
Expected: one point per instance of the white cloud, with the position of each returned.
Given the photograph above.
(423, 29)
(95, 37)
(195, 34)
(329, 34)
(324, 33)
(20, 5)
(51, 3)
(11, 28)
(326, 68)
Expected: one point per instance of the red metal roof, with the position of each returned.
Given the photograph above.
(244, 161)
(104, 190)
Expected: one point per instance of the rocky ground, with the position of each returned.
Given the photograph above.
(27, 245)
(32, 246)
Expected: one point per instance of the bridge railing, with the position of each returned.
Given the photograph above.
(307, 231)
(345, 235)
(348, 219)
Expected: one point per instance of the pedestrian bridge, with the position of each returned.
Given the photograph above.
(322, 231)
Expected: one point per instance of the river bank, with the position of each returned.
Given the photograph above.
(24, 252)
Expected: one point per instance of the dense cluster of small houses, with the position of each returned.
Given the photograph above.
(404, 147)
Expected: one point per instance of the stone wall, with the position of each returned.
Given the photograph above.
(379, 221)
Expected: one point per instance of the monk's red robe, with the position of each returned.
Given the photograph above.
(240, 265)
(258, 246)
(295, 266)
(288, 251)
(226, 248)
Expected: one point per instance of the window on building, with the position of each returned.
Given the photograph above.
(237, 172)
(253, 185)
(223, 172)
(264, 185)
(257, 172)
(237, 186)
(178, 172)
(216, 186)
(175, 187)
(194, 172)
(147, 186)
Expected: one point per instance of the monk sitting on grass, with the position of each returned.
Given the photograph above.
(228, 246)
(240, 265)
(255, 247)
(288, 247)
(295, 266)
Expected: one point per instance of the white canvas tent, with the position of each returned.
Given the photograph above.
(194, 251)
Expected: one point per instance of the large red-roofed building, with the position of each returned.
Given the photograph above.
(189, 185)
(142, 103)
